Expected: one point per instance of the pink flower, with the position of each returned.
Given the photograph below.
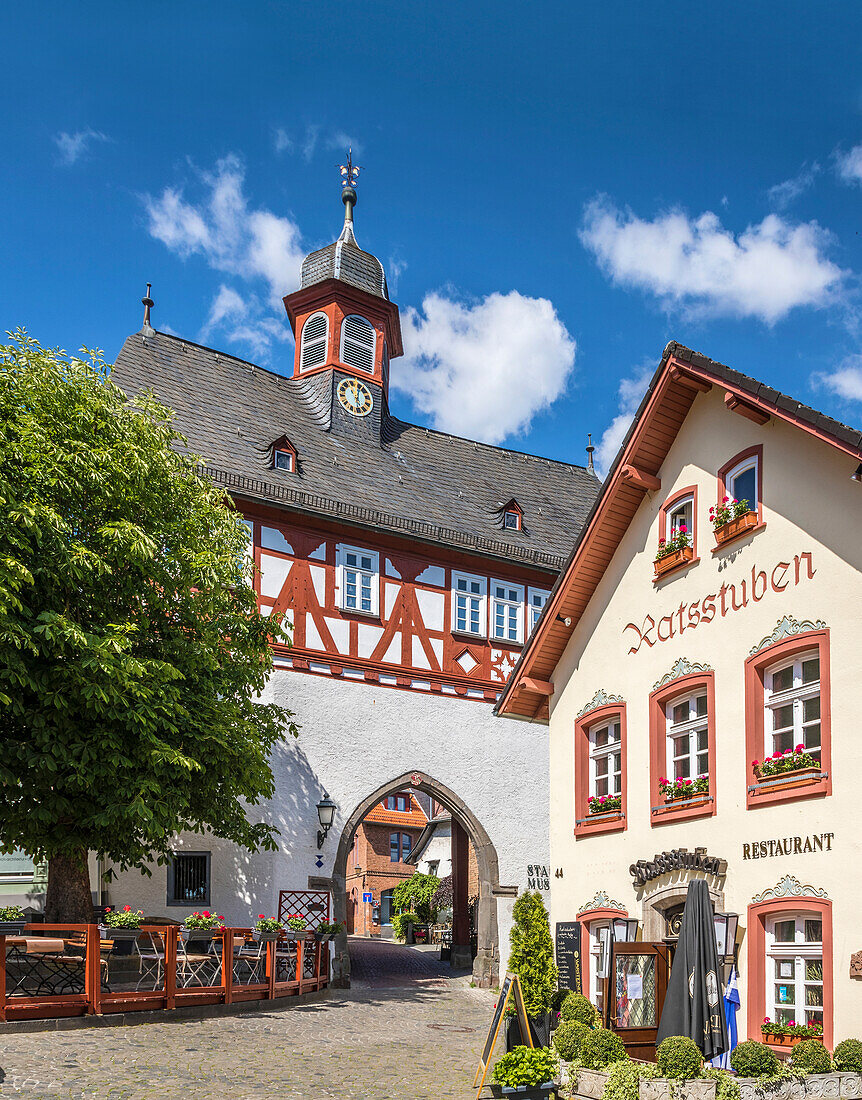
(726, 499)
(766, 1019)
(688, 782)
(755, 763)
(206, 912)
(683, 527)
(800, 748)
(776, 756)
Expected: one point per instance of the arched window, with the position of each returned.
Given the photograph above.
(315, 337)
(357, 343)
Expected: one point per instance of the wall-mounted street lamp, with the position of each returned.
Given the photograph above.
(325, 815)
(625, 929)
(726, 925)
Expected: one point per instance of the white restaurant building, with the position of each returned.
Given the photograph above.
(748, 644)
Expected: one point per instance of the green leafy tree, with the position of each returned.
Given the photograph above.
(132, 652)
(416, 893)
(532, 954)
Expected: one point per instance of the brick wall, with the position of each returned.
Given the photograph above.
(370, 869)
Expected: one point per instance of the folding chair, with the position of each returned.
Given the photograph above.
(152, 959)
(197, 960)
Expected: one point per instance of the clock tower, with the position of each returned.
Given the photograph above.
(345, 326)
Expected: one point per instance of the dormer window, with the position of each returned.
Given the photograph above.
(315, 339)
(512, 521)
(283, 455)
(358, 340)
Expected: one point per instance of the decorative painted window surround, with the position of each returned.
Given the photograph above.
(614, 712)
(797, 899)
(700, 681)
(725, 475)
(283, 455)
(595, 915)
(791, 638)
(664, 526)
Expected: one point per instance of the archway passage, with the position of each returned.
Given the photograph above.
(467, 831)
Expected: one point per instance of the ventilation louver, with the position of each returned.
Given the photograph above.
(357, 343)
(315, 336)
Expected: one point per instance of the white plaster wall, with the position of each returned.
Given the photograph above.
(438, 848)
(810, 504)
(354, 738)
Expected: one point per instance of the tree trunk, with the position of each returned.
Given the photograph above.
(68, 898)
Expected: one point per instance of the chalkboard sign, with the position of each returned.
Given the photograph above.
(509, 991)
(568, 946)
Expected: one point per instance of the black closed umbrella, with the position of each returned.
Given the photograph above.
(693, 1005)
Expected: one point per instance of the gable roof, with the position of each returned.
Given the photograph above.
(680, 376)
(414, 818)
(414, 481)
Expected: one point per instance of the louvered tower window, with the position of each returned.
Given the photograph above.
(315, 337)
(357, 343)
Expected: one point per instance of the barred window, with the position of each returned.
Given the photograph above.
(189, 879)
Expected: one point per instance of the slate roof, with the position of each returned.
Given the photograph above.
(417, 482)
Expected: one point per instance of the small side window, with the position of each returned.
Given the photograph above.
(189, 879)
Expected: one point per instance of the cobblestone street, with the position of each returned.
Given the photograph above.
(404, 1029)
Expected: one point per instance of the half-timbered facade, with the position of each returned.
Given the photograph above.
(410, 566)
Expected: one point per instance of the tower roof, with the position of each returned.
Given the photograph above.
(345, 260)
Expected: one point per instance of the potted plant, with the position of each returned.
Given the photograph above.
(786, 1035)
(326, 931)
(527, 1073)
(600, 1048)
(12, 920)
(267, 929)
(673, 551)
(123, 927)
(752, 1060)
(199, 928)
(680, 789)
(792, 766)
(420, 933)
(605, 805)
(532, 959)
(296, 928)
(680, 1073)
(731, 518)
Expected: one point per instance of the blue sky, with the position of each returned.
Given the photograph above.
(556, 190)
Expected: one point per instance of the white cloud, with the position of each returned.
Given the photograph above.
(483, 369)
(783, 194)
(255, 245)
(73, 146)
(845, 380)
(342, 141)
(630, 394)
(282, 140)
(850, 165)
(698, 265)
(310, 142)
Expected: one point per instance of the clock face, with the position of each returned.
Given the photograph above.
(355, 396)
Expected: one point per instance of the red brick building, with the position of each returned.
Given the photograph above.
(376, 863)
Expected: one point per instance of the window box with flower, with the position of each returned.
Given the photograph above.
(199, 928)
(605, 806)
(123, 927)
(674, 551)
(267, 929)
(685, 790)
(732, 519)
(296, 928)
(785, 769)
(787, 1035)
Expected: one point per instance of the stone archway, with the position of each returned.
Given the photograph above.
(486, 966)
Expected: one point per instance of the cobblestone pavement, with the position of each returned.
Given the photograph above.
(405, 1029)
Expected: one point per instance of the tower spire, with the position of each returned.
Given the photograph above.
(349, 175)
(590, 449)
(148, 303)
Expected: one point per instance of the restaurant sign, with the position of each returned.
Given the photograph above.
(15, 865)
(680, 859)
(729, 598)
(788, 846)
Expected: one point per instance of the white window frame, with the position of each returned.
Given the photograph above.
(799, 952)
(341, 580)
(599, 752)
(794, 696)
(288, 454)
(533, 612)
(599, 940)
(365, 321)
(513, 611)
(516, 526)
(674, 508)
(752, 462)
(692, 726)
(324, 339)
(482, 600)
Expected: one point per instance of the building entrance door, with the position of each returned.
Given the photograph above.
(637, 989)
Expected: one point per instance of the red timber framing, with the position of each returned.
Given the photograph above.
(410, 642)
(284, 970)
(681, 376)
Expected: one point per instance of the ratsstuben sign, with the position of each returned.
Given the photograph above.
(680, 859)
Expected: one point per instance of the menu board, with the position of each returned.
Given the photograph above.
(568, 949)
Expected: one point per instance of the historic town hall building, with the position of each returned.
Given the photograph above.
(411, 566)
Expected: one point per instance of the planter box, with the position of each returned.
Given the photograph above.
(686, 799)
(670, 561)
(591, 1083)
(265, 937)
(529, 1092)
(796, 778)
(788, 1088)
(197, 938)
(604, 815)
(124, 938)
(661, 1088)
(289, 934)
(12, 927)
(850, 1086)
(323, 937)
(735, 527)
(823, 1084)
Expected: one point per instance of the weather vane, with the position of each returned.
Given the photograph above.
(350, 171)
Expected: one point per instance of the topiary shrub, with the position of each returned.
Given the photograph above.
(568, 1038)
(753, 1059)
(811, 1056)
(579, 1008)
(601, 1048)
(680, 1057)
(847, 1056)
(526, 1066)
(532, 955)
(558, 997)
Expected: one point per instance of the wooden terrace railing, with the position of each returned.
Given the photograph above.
(103, 982)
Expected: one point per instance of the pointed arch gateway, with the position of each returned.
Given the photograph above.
(486, 966)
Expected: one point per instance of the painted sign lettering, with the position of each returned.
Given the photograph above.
(679, 859)
(730, 597)
(788, 846)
